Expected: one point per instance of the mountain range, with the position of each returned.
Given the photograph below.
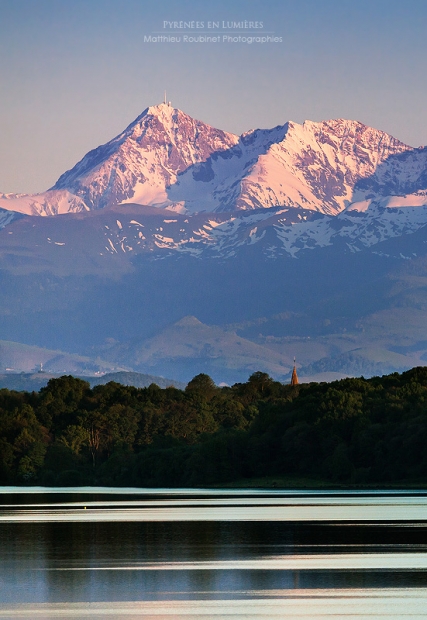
(302, 240)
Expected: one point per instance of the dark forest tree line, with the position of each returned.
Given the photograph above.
(352, 431)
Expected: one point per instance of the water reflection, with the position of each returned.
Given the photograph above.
(306, 568)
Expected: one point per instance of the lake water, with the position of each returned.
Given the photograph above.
(130, 553)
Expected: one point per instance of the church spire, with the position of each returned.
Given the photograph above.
(294, 378)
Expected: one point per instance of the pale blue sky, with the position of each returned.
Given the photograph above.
(74, 73)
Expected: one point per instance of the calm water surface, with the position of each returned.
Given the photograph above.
(212, 554)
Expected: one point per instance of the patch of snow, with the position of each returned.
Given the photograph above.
(112, 246)
(148, 193)
(410, 200)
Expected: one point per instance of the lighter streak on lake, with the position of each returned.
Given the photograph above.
(255, 508)
(323, 604)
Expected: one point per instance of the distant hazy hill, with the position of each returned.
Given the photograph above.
(18, 357)
(189, 347)
(137, 379)
(32, 382)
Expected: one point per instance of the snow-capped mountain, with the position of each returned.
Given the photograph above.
(167, 159)
(143, 161)
(307, 239)
(138, 164)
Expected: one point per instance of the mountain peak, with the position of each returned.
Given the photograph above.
(164, 112)
(162, 109)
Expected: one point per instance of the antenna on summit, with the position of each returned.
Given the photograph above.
(164, 100)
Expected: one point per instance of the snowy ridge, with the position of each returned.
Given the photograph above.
(52, 202)
(276, 232)
(289, 232)
(169, 160)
